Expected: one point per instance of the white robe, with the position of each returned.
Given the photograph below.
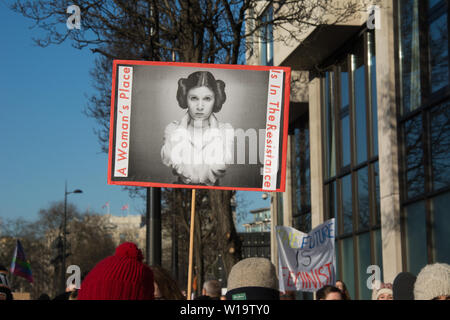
(200, 157)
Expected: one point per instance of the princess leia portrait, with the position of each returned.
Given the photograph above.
(198, 147)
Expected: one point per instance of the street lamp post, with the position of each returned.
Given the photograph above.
(63, 271)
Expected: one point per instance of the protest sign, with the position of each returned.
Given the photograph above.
(306, 261)
(199, 125)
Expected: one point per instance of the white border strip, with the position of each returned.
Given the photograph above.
(123, 110)
(273, 119)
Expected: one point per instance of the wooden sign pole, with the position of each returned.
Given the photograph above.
(191, 246)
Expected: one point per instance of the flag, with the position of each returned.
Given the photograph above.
(19, 265)
(125, 207)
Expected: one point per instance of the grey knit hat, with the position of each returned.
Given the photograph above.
(253, 278)
(433, 281)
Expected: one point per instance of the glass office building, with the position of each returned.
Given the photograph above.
(370, 143)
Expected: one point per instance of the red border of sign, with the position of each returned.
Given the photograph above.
(286, 97)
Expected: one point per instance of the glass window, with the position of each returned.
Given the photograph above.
(378, 250)
(424, 65)
(351, 183)
(415, 178)
(345, 116)
(373, 91)
(266, 49)
(345, 134)
(416, 237)
(432, 3)
(441, 228)
(377, 194)
(303, 222)
(301, 189)
(359, 87)
(332, 201)
(302, 158)
(440, 145)
(347, 211)
(438, 42)
(363, 199)
(364, 262)
(348, 265)
(409, 54)
(329, 125)
(345, 101)
(336, 254)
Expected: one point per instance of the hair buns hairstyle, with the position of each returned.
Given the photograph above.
(201, 79)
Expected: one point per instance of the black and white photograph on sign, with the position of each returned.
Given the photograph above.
(198, 147)
(193, 126)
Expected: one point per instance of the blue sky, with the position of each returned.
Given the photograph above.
(46, 138)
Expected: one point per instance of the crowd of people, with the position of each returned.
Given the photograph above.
(125, 276)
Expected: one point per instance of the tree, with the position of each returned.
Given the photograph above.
(38, 236)
(90, 229)
(178, 204)
(204, 31)
(35, 250)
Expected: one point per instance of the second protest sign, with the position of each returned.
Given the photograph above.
(306, 260)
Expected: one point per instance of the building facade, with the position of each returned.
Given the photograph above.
(369, 138)
(126, 228)
(261, 221)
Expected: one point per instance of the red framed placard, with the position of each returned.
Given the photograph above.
(205, 126)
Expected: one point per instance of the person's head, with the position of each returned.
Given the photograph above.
(165, 287)
(201, 94)
(71, 287)
(212, 288)
(122, 276)
(5, 293)
(44, 296)
(4, 276)
(384, 292)
(73, 295)
(253, 279)
(63, 296)
(433, 282)
(341, 286)
(329, 293)
(403, 286)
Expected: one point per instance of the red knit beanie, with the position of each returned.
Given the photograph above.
(122, 276)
